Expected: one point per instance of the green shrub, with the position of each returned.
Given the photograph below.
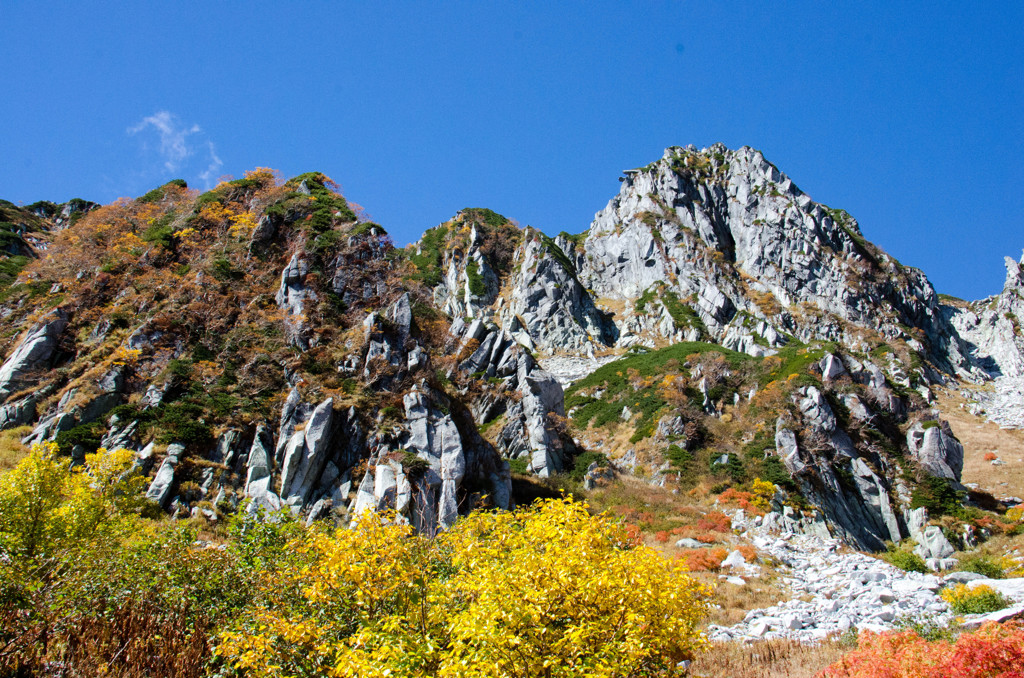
(485, 216)
(679, 457)
(221, 269)
(86, 435)
(476, 281)
(984, 565)
(428, 260)
(160, 231)
(414, 466)
(583, 462)
(938, 496)
(10, 268)
(157, 194)
(905, 560)
(184, 423)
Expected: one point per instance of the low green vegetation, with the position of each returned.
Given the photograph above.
(556, 252)
(477, 287)
(683, 314)
(157, 194)
(983, 564)
(905, 559)
(428, 259)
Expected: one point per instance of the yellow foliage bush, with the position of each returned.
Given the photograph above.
(45, 504)
(763, 491)
(544, 591)
(964, 599)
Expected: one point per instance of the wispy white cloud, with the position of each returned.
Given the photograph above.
(213, 169)
(180, 147)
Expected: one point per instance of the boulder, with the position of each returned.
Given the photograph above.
(260, 463)
(933, 544)
(831, 367)
(18, 413)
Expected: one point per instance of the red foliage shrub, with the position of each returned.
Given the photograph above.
(715, 521)
(633, 535)
(734, 496)
(990, 456)
(703, 560)
(745, 500)
(993, 651)
(661, 536)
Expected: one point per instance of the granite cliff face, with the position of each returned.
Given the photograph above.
(992, 326)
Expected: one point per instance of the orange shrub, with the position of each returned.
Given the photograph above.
(990, 456)
(715, 521)
(703, 560)
(748, 501)
(734, 496)
(993, 651)
(661, 536)
(749, 552)
(633, 535)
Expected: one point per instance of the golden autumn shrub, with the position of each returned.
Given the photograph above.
(543, 591)
(964, 599)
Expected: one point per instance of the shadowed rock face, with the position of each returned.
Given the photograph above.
(834, 477)
(528, 431)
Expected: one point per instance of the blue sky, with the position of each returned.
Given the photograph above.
(908, 115)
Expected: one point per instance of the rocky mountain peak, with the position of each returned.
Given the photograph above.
(710, 243)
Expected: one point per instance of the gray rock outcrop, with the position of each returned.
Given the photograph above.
(292, 295)
(160, 489)
(937, 451)
(529, 430)
(306, 455)
(33, 351)
(549, 308)
(18, 413)
(992, 326)
(692, 219)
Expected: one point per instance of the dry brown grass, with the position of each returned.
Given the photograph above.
(979, 438)
(766, 659)
(11, 449)
(733, 602)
